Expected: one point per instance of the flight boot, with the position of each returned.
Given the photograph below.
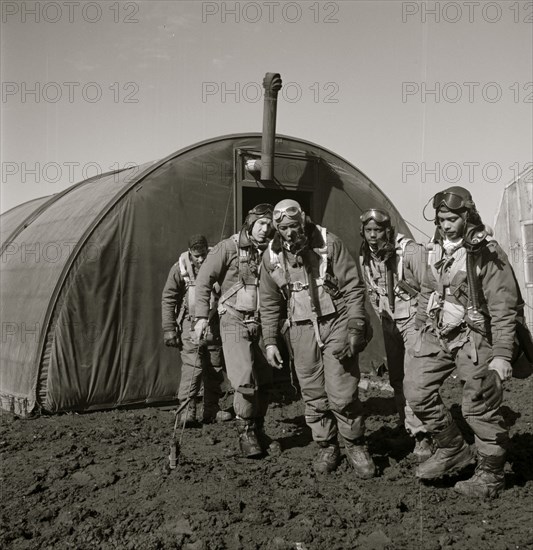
(452, 454)
(328, 457)
(488, 479)
(359, 458)
(248, 441)
(423, 447)
(262, 437)
(209, 414)
(224, 416)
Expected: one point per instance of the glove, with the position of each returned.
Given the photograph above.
(199, 329)
(491, 390)
(359, 334)
(273, 356)
(172, 339)
(502, 367)
(356, 340)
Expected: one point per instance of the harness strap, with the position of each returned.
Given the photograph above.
(230, 292)
(186, 269)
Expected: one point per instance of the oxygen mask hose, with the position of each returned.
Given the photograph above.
(175, 444)
(473, 311)
(175, 447)
(173, 456)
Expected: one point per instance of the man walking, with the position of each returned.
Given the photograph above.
(312, 271)
(198, 362)
(467, 317)
(234, 264)
(392, 266)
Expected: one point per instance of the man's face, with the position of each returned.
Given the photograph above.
(375, 235)
(198, 256)
(451, 224)
(290, 231)
(261, 230)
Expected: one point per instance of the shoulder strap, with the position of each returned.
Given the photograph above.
(239, 284)
(401, 245)
(186, 269)
(432, 259)
(323, 252)
(275, 260)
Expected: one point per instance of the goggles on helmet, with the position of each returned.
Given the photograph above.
(379, 216)
(292, 212)
(264, 209)
(450, 200)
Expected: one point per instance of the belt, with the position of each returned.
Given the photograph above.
(310, 321)
(245, 316)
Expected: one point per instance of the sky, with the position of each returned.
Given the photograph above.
(417, 95)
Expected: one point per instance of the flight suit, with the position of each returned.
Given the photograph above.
(398, 322)
(449, 340)
(324, 293)
(202, 362)
(234, 264)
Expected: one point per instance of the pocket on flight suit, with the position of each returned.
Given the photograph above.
(426, 344)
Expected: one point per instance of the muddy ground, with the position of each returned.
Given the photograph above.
(101, 480)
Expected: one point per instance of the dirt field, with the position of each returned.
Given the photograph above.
(101, 480)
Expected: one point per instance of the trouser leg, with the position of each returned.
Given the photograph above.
(191, 366)
(342, 381)
(246, 367)
(491, 435)
(409, 334)
(212, 368)
(213, 378)
(395, 350)
(309, 369)
(426, 374)
(263, 375)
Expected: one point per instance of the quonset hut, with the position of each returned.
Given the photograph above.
(83, 270)
(513, 228)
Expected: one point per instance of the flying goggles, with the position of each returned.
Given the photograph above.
(292, 212)
(263, 209)
(379, 216)
(452, 201)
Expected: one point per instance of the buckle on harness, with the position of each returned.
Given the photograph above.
(252, 320)
(297, 286)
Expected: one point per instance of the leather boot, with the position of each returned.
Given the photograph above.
(248, 441)
(399, 401)
(224, 416)
(188, 415)
(423, 447)
(359, 459)
(262, 437)
(328, 457)
(452, 454)
(488, 479)
(210, 411)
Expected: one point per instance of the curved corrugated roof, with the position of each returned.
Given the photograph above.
(43, 243)
(16, 216)
(46, 236)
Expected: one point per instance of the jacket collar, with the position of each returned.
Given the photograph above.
(244, 239)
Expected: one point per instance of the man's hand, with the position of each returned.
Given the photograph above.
(491, 390)
(199, 330)
(172, 339)
(274, 357)
(502, 367)
(359, 334)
